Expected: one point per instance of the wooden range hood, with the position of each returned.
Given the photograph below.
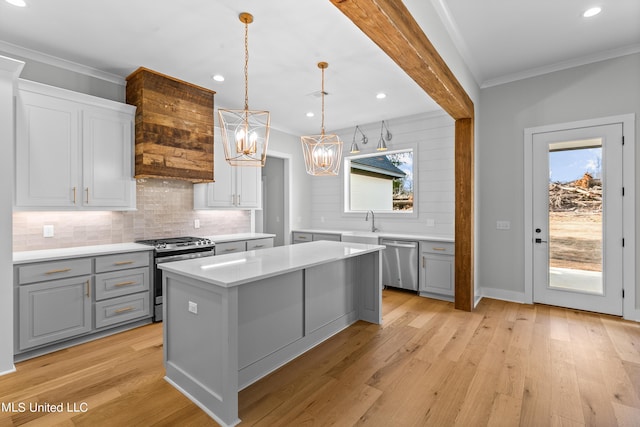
(174, 127)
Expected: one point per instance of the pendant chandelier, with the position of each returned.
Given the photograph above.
(245, 133)
(322, 153)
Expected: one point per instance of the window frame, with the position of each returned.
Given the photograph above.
(346, 183)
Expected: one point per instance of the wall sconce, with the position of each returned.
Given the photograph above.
(354, 146)
(382, 146)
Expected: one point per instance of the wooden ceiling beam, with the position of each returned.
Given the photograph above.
(390, 25)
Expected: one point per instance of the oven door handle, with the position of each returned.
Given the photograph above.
(181, 257)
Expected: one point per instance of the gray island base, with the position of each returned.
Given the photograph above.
(232, 319)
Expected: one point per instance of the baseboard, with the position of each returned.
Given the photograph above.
(503, 294)
(10, 371)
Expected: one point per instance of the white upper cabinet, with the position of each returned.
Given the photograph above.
(236, 187)
(73, 151)
(106, 158)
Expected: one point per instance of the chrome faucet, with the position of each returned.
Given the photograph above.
(373, 221)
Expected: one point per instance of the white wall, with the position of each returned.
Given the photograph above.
(433, 135)
(9, 71)
(600, 89)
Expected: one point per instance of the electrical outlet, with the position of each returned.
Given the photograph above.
(47, 231)
(503, 225)
(193, 307)
(196, 223)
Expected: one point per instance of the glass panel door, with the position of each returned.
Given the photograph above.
(575, 216)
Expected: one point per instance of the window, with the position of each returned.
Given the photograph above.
(381, 182)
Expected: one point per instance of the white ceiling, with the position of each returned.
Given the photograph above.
(501, 40)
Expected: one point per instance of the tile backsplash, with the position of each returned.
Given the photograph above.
(164, 209)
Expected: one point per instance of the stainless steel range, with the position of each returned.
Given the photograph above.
(174, 249)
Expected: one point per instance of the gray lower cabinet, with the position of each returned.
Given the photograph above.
(256, 244)
(437, 269)
(54, 310)
(302, 237)
(243, 245)
(230, 247)
(66, 299)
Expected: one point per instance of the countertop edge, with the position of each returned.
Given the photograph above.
(25, 257)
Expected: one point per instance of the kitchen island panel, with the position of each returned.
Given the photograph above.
(270, 316)
(329, 294)
(202, 360)
(368, 270)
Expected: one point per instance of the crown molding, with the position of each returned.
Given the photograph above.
(563, 65)
(12, 49)
(456, 36)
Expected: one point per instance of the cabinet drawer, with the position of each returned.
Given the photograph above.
(119, 283)
(121, 261)
(259, 244)
(230, 247)
(53, 270)
(121, 309)
(446, 248)
(302, 237)
(330, 237)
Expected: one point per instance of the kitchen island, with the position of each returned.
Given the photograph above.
(230, 320)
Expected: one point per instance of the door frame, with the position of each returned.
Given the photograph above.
(288, 173)
(629, 310)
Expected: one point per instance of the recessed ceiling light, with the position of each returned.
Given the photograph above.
(19, 3)
(310, 114)
(381, 95)
(218, 77)
(592, 12)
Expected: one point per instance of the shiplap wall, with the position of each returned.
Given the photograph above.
(433, 135)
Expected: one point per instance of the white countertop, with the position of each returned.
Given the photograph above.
(77, 251)
(380, 234)
(88, 251)
(245, 267)
(222, 238)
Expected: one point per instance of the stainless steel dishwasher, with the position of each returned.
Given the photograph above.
(400, 264)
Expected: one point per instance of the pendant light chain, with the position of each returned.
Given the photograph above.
(246, 65)
(322, 67)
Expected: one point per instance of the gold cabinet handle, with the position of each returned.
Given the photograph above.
(439, 249)
(61, 270)
(88, 289)
(239, 203)
(123, 262)
(423, 262)
(124, 310)
(130, 282)
(230, 250)
(258, 246)
(74, 195)
(87, 190)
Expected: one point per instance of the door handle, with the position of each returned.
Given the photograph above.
(541, 241)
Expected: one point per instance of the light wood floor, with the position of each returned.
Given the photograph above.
(505, 364)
